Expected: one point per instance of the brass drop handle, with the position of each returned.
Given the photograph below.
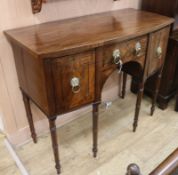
(75, 84)
(138, 49)
(117, 56)
(159, 52)
(117, 59)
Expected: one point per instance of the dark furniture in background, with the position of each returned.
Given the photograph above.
(175, 35)
(169, 81)
(63, 65)
(168, 167)
(177, 101)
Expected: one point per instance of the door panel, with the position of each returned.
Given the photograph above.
(74, 80)
(158, 49)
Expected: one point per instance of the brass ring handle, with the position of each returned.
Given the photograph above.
(138, 49)
(75, 84)
(117, 56)
(159, 52)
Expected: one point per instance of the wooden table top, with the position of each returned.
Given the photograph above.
(65, 36)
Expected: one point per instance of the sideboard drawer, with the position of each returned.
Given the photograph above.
(127, 51)
(157, 49)
(74, 80)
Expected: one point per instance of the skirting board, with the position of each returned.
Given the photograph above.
(18, 162)
(23, 136)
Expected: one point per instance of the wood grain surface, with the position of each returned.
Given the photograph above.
(65, 37)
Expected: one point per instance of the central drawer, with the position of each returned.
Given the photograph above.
(74, 80)
(131, 50)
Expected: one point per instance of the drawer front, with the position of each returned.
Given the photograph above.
(157, 50)
(74, 80)
(127, 51)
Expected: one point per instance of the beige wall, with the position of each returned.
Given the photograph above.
(1, 123)
(17, 13)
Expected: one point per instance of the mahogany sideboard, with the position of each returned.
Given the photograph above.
(169, 80)
(63, 65)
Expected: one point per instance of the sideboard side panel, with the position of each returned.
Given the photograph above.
(19, 62)
(31, 77)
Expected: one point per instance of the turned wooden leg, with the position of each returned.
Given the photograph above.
(138, 105)
(29, 116)
(55, 143)
(95, 129)
(124, 85)
(120, 84)
(156, 93)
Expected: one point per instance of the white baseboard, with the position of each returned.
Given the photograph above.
(16, 158)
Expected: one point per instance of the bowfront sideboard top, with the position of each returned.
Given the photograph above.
(63, 65)
(58, 38)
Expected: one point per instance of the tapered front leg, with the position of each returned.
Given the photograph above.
(29, 116)
(138, 105)
(95, 129)
(55, 143)
(155, 95)
(120, 75)
(124, 85)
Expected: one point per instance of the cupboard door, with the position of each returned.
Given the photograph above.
(74, 80)
(158, 49)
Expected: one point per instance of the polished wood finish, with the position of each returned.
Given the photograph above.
(155, 95)
(95, 129)
(168, 167)
(63, 65)
(127, 51)
(138, 105)
(169, 78)
(158, 40)
(52, 127)
(64, 69)
(29, 117)
(33, 79)
(124, 85)
(69, 36)
(157, 62)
